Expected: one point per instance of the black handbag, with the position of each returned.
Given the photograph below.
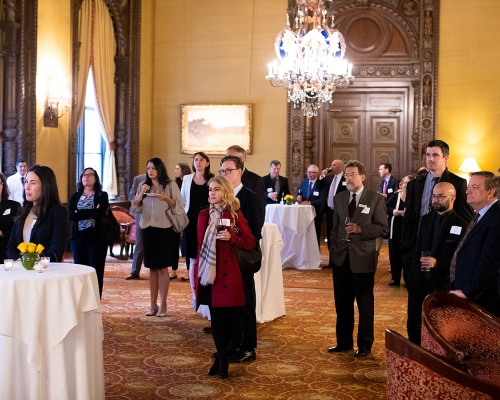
(250, 261)
(110, 228)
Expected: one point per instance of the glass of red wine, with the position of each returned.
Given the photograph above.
(221, 226)
(347, 220)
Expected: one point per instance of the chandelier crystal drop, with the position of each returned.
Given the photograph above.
(310, 63)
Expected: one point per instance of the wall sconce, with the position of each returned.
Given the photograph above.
(469, 165)
(56, 100)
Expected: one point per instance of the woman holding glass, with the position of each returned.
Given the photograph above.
(221, 229)
(194, 194)
(42, 219)
(396, 211)
(156, 197)
(8, 210)
(86, 209)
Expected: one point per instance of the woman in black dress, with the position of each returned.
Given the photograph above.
(8, 210)
(194, 194)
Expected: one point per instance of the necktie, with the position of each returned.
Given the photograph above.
(310, 190)
(352, 206)
(277, 185)
(331, 192)
(22, 180)
(454, 259)
(385, 187)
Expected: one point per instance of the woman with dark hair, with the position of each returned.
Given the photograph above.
(155, 197)
(221, 229)
(194, 193)
(8, 210)
(42, 219)
(86, 209)
(181, 170)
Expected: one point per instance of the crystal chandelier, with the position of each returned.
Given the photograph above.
(310, 63)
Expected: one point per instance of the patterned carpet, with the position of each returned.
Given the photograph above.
(168, 358)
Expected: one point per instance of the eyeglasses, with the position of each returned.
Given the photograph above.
(226, 171)
(312, 172)
(351, 175)
(87, 175)
(440, 196)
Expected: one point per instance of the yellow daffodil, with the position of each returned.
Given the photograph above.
(23, 247)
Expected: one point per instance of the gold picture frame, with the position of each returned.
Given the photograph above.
(213, 128)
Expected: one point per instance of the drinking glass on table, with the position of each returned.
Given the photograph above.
(423, 265)
(347, 220)
(8, 264)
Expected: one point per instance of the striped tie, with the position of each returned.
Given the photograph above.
(454, 259)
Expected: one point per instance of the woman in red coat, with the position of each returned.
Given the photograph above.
(221, 229)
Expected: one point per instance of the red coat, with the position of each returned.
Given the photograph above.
(227, 289)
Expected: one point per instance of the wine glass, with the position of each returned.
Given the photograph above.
(347, 220)
(221, 226)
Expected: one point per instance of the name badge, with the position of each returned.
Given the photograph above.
(366, 210)
(315, 193)
(7, 211)
(344, 183)
(390, 190)
(226, 221)
(362, 205)
(456, 230)
(269, 190)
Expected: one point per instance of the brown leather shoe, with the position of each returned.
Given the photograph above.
(132, 276)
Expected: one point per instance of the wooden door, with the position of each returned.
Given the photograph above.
(372, 126)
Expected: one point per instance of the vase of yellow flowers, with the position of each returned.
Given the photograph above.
(288, 199)
(30, 253)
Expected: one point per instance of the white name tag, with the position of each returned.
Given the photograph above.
(7, 211)
(315, 193)
(344, 183)
(366, 210)
(456, 230)
(390, 190)
(362, 205)
(269, 190)
(226, 221)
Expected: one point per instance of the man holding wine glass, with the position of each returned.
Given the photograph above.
(359, 218)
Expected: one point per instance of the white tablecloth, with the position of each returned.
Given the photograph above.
(50, 333)
(269, 280)
(296, 225)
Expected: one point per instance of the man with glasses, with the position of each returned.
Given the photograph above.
(244, 340)
(419, 193)
(276, 185)
(16, 182)
(311, 194)
(440, 232)
(359, 218)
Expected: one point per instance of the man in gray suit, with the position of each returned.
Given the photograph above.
(359, 218)
(138, 249)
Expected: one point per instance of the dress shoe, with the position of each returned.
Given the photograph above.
(214, 369)
(362, 353)
(207, 329)
(173, 277)
(161, 315)
(393, 283)
(150, 313)
(327, 266)
(339, 349)
(243, 356)
(184, 279)
(132, 276)
(223, 369)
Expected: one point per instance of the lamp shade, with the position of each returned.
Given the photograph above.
(469, 165)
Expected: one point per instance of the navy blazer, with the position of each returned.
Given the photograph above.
(392, 186)
(314, 197)
(477, 270)
(269, 184)
(442, 250)
(252, 210)
(414, 192)
(324, 186)
(51, 233)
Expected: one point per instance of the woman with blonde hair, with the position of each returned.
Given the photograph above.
(221, 229)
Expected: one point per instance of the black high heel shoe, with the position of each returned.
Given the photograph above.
(223, 369)
(214, 369)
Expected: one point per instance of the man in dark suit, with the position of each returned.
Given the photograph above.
(440, 232)
(249, 179)
(331, 182)
(354, 258)
(310, 194)
(389, 184)
(244, 340)
(419, 197)
(475, 267)
(276, 186)
(138, 249)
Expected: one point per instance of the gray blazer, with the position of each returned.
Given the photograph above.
(362, 247)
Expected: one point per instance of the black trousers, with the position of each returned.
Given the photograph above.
(329, 225)
(348, 287)
(396, 261)
(415, 301)
(224, 322)
(245, 334)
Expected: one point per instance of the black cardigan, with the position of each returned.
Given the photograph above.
(101, 204)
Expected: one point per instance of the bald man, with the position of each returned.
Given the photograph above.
(440, 232)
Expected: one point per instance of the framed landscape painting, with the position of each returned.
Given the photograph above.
(213, 128)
